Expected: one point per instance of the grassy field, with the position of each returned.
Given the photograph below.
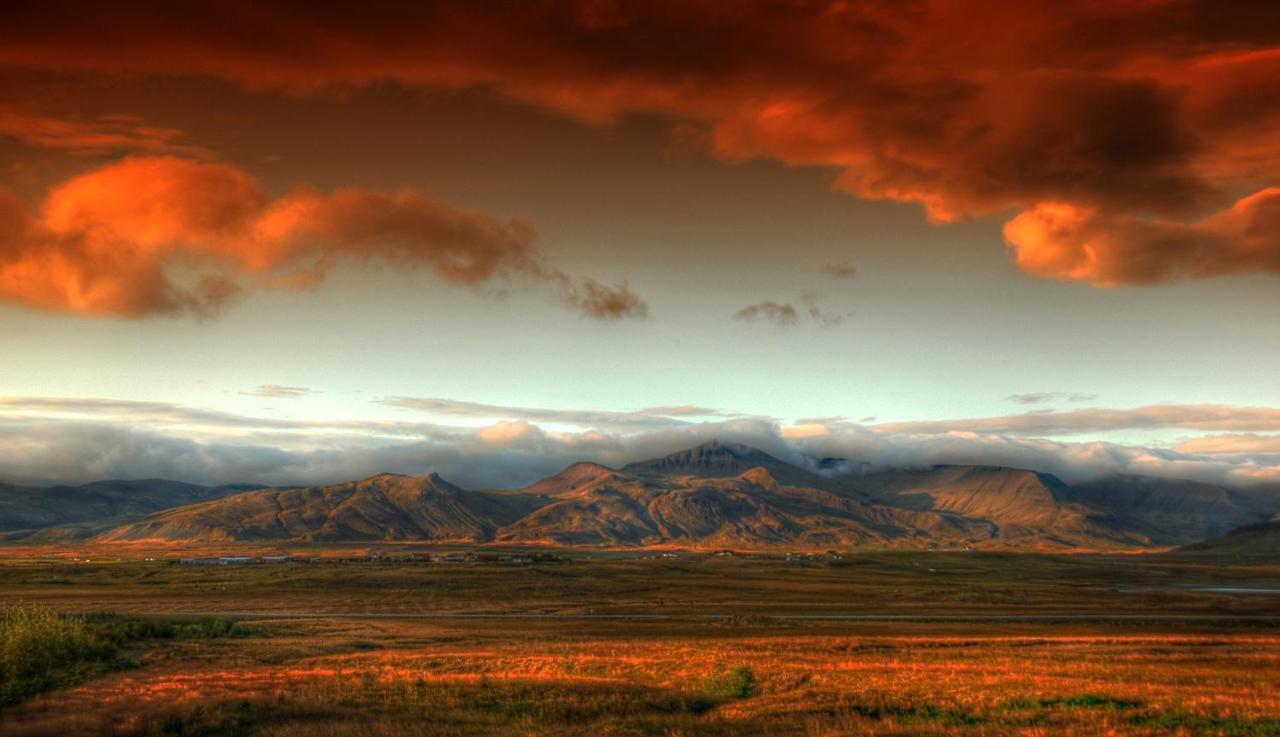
(614, 645)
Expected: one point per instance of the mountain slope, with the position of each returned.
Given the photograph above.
(602, 507)
(383, 507)
(83, 509)
(1171, 511)
(722, 460)
(1253, 541)
(750, 509)
(1024, 507)
(714, 495)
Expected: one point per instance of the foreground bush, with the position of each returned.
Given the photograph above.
(41, 650)
(733, 683)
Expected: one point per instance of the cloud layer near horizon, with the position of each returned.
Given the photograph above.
(46, 440)
(150, 236)
(1117, 128)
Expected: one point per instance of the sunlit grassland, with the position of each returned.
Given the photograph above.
(735, 664)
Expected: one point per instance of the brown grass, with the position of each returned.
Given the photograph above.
(348, 676)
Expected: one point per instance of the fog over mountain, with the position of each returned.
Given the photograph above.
(117, 439)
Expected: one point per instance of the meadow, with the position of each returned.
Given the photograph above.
(882, 644)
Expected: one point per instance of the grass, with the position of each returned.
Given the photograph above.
(1179, 722)
(736, 591)
(725, 658)
(42, 650)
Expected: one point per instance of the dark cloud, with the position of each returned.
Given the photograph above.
(1122, 110)
(788, 315)
(602, 302)
(820, 316)
(782, 314)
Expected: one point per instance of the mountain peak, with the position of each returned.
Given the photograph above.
(714, 459)
(397, 480)
(737, 449)
(572, 477)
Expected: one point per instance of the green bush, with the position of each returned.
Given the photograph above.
(733, 683)
(40, 650)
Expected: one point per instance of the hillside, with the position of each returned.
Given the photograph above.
(1023, 507)
(383, 507)
(1174, 511)
(749, 509)
(75, 511)
(1254, 541)
(717, 495)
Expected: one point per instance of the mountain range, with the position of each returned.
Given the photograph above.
(716, 495)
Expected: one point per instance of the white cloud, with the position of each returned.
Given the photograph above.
(75, 440)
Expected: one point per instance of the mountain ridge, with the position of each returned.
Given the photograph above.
(712, 495)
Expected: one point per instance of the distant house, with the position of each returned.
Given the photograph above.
(225, 560)
(200, 561)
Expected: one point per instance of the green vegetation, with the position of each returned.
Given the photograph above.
(1185, 723)
(732, 683)
(42, 650)
(1090, 701)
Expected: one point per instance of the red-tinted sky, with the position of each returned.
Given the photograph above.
(775, 212)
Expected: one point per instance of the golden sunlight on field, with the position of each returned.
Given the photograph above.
(464, 678)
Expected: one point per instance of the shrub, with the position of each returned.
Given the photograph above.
(733, 683)
(40, 650)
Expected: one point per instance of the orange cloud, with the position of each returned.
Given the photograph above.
(165, 236)
(1130, 109)
(1231, 444)
(83, 136)
(1063, 241)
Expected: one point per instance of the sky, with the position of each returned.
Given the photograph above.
(276, 243)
